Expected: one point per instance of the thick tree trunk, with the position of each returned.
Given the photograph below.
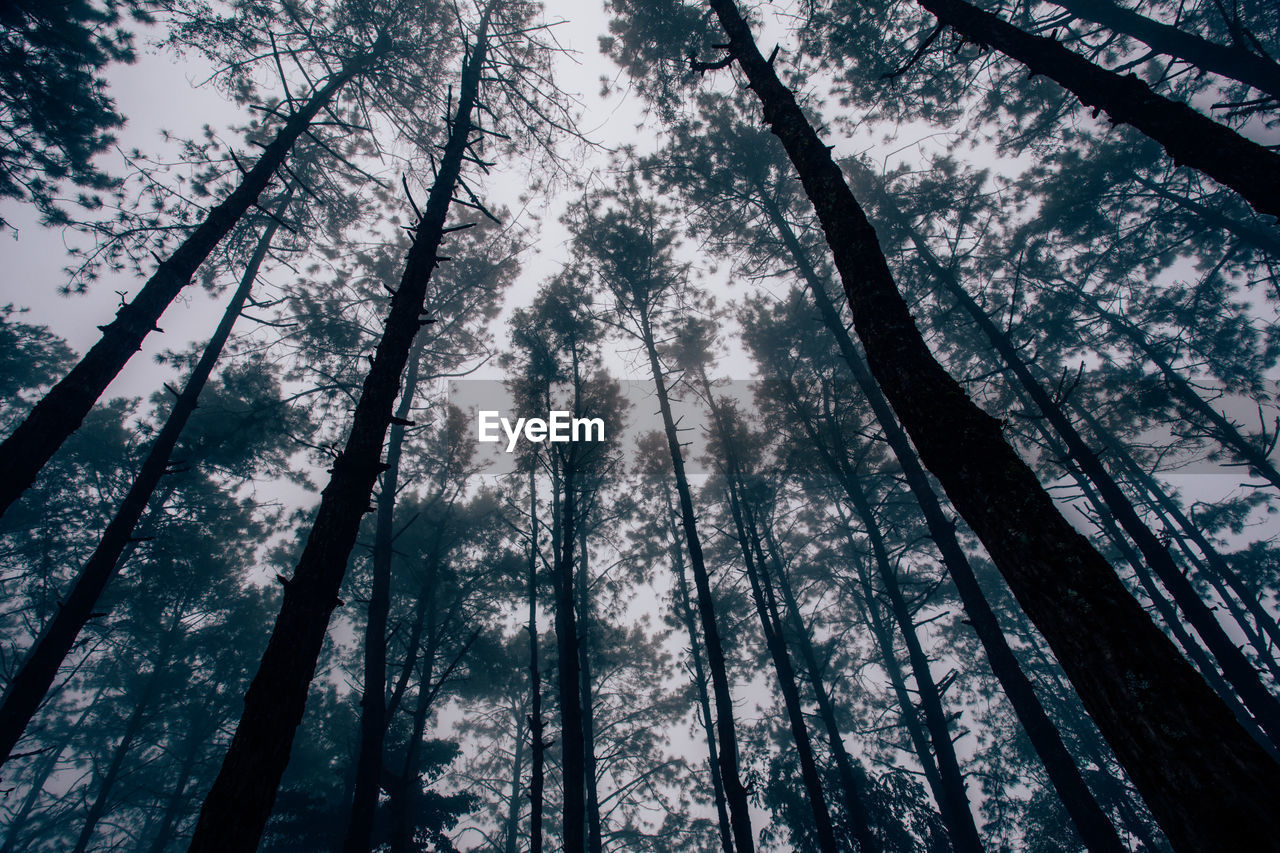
(1209, 784)
(27, 689)
(1095, 828)
(1236, 63)
(373, 709)
(237, 807)
(735, 792)
(61, 411)
(785, 672)
(1190, 138)
(537, 744)
(685, 607)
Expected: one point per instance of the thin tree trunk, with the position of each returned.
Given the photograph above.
(735, 792)
(850, 787)
(1190, 138)
(406, 789)
(174, 800)
(132, 728)
(373, 709)
(955, 805)
(699, 676)
(786, 678)
(1202, 661)
(897, 679)
(512, 832)
(1202, 775)
(1236, 63)
(61, 411)
(572, 749)
(594, 839)
(1095, 828)
(1257, 237)
(537, 744)
(1223, 430)
(239, 803)
(27, 689)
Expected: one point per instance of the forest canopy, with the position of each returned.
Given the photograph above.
(640, 425)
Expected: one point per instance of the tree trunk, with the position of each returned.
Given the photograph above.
(1223, 430)
(581, 583)
(406, 789)
(537, 744)
(27, 689)
(1237, 668)
(174, 804)
(1095, 828)
(1236, 63)
(955, 803)
(1190, 138)
(239, 803)
(786, 675)
(897, 679)
(735, 792)
(1203, 776)
(685, 607)
(512, 832)
(61, 411)
(132, 727)
(373, 709)
(849, 784)
(1248, 233)
(572, 749)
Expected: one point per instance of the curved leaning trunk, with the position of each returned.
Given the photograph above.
(61, 411)
(1210, 786)
(239, 803)
(29, 686)
(1190, 138)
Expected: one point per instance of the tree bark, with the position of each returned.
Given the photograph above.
(373, 708)
(27, 689)
(239, 803)
(1236, 63)
(1203, 776)
(1190, 138)
(61, 411)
